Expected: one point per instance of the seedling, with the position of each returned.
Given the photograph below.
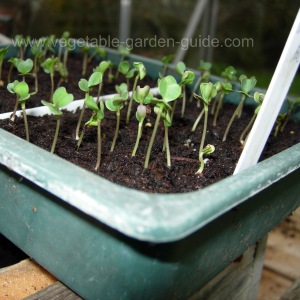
(86, 85)
(141, 73)
(60, 99)
(22, 44)
(21, 89)
(166, 60)
(187, 77)
(247, 85)
(49, 42)
(63, 72)
(67, 40)
(291, 106)
(169, 91)
(141, 96)
(95, 120)
(279, 123)
(204, 69)
(102, 67)
(208, 149)
(258, 98)
(124, 52)
(2, 56)
(13, 62)
(116, 104)
(50, 65)
(225, 88)
(207, 92)
(37, 51)
(86, 51)
(98, 51)
(124, 68)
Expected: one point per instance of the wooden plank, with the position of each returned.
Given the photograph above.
(23, 279)
(55, 291)
(272, 286)
(293, 293)
(283, 248)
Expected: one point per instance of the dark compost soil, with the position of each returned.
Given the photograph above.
(119, 167)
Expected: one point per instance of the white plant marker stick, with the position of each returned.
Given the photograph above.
(275, 95)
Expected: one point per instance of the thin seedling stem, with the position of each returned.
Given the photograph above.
(116, 131)
(56, 134)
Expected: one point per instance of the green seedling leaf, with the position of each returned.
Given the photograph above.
(11, 86)
(168, 88)
(3, 52)
(208, 92)
(89, 101)
(187, 77)
(61, 98)
(53, 109)
(247, 84)
(141, 69)
(180, 67)
(141, 93)
(83, 85)
(204, 66)
(49, 65)
(103, 66)
(167, 59)
(22, 90)
(229, 73)
(131, 73)
(111, 105)
(95, 79)
(24, 66)
(123, 51)
(124, 67)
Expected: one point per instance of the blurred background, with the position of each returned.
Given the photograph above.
(266, 23)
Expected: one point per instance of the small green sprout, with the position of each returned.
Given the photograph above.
(21, 89)
(166, 60)
(38, 52)
(291, 106)
(116, 104)
(60, 99)
(100, 51)
(22, 43)
(207, 92)
(247, 85)
(141, 73)
(102, 67)
(141, 96)
(229, 75)
(223, 89)
(49, 42)
(50, 65)
(169, 90)
(13, 62)
(124, 68)
(279, 122)
(66, 38)
(95, 120)
(187, 77)
(204, 69)
(208, 149)
(86, 51)
(2, 56)
(258, 98)
(86, 85)
(123, 52)
(63, 73)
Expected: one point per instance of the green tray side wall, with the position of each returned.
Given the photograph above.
(100, 263)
